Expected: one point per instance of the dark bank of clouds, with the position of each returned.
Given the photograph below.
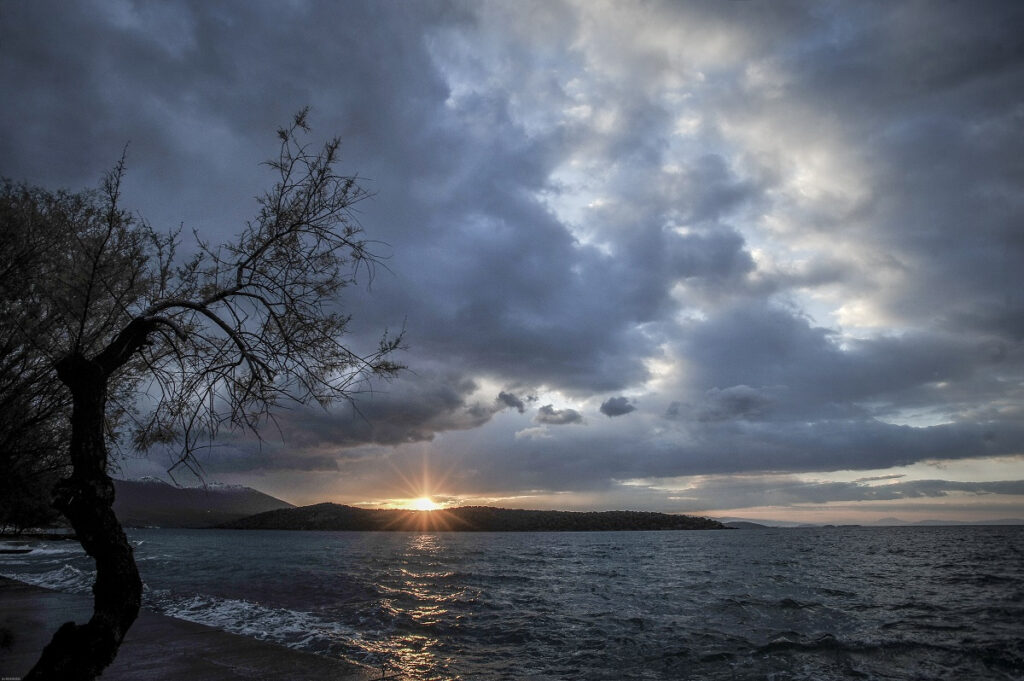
(582, 459)
(738, 401)
(407, 411)
(790, 232)
(741, 491)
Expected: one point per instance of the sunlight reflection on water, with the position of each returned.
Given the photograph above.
(418, 597)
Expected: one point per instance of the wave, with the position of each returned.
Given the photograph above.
(41, 549)
(66, 578)
(292, 628)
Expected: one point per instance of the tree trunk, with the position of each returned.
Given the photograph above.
(83, 651)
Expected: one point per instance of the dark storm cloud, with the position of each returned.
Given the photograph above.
(738, 401)
(510, 400)
(407, 411)
(617, 406)
(267, 462)
(557, 417)
(805, 371)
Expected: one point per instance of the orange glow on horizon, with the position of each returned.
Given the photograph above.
(421, 504)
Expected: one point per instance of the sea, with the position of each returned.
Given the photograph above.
(778, 604)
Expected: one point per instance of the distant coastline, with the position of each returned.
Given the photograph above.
(338, 517)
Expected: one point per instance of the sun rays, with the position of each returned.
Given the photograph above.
(422, 504)
(423, 492)
(424, 500)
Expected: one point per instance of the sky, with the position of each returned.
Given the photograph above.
(739, 259)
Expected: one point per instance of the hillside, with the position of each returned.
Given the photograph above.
(465, 519)
(151, 502)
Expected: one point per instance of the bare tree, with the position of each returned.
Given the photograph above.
(216, 339)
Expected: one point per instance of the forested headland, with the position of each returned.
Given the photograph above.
(329, 516)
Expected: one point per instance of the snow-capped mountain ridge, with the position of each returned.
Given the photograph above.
(218, 486)
(152, 502)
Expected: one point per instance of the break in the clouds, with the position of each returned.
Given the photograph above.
(782, 237)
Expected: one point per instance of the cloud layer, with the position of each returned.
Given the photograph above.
(715, 239)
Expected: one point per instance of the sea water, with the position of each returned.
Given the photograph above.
(778, 604)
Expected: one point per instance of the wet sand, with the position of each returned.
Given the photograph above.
(157, 647)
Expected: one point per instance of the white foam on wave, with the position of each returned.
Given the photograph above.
(40, 549)
(57, 549)
(295, 629)
(66, 578)
(291, 628)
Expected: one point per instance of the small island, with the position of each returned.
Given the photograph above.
(337, 517)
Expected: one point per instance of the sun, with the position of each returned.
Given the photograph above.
(416, 492)
(422, 504)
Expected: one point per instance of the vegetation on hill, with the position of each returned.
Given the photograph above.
(466, 519)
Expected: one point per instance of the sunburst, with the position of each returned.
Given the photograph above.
(417, 493)
(422, 504)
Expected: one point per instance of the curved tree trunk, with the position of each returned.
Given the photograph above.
(86, 499)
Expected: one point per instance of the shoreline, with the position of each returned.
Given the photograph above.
(157, 647)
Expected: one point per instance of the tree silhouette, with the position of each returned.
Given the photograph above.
(33, 424)
(211, 340)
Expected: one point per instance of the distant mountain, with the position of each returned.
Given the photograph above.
(896, 522)
(465, 519)
(149, 502)
(941, 523)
